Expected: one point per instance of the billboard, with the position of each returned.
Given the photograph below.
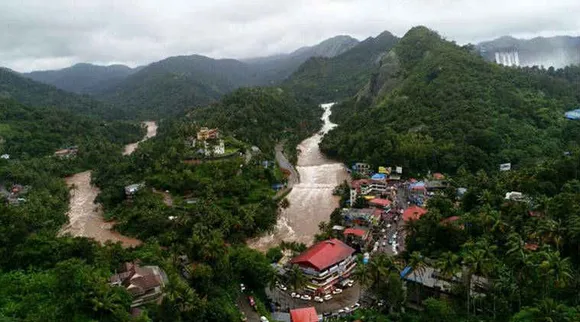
(505, 167)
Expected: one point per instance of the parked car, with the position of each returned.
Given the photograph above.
(327, 297)
(294, 294)
(282, 287)
(264, 319)
(385, 243)
(388, 225)
(306, 297)
(337, 291)
(242, 287)
(350, 283)
(355, 306)
(318, 299)
(346, 309)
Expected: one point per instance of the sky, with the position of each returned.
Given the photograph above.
(41, 34)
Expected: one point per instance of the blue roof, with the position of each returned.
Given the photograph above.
(379, 176)
(405, 271)
(573, 115)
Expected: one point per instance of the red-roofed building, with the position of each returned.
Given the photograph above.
(355, 232)
(438, 176)
(305, 314)
(380, 202)
(413, 213)
(325, 263)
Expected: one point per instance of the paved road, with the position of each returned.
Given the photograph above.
(294, 177)
(348, 297)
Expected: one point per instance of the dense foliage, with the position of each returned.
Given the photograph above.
(331, 78)
(31, 93)
(437, 106)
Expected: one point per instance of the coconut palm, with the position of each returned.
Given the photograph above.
(296, 278)
(417, 264)
(555, 269)
(363, 275)
(448, 265)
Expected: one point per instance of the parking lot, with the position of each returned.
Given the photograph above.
(285, 302)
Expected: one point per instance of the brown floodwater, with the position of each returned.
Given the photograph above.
(86, 216)
(311, 200)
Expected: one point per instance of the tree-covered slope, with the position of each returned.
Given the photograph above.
(82, 78)
(341, 76)
(32, 93)
(434, 105)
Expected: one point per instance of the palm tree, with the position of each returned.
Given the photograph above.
(448, 265)
(363, 275)
(477, 262)
(380, 267)
(556, 269)
(296, 278)
(417, 264)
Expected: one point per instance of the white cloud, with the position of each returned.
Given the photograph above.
(39, 34)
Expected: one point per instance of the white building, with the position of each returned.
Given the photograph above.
(217, 149)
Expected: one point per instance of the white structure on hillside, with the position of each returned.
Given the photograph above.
(511, 58)
(217, 149)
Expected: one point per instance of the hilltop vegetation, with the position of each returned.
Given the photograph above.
(434, 105)
(325, 79)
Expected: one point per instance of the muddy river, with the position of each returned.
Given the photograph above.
(85, 216)
(311, 199)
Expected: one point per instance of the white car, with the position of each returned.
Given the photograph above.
(318, 299)
(355, 306)
(294, 294)
(383, 230)
(337, 291)
(341, 311)
(384, 244)
(346, 309)
(306, 297)
(242, 287)
(264, 319)
(282, 287)
(388, 225)
(350, 283)
(327, 297)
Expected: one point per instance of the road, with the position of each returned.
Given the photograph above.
(285, 164)
(348, 297)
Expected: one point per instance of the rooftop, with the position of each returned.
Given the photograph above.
(413, 213)
(305, 314)
(324, 254)
(380, 202)
(355, 231)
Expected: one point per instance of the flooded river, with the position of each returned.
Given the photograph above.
(85, 216)
(311, 199)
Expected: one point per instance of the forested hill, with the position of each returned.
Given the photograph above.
(331, 78)
(262, 116)
(435, 105)
(32, 93)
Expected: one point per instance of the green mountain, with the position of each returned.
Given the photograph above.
(274, 69)
(83, 78)
(435, 105)
(557, 52)
(330, 78)
(32, 93)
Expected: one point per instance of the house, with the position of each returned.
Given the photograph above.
(14, 196)
(208, 134)
(325, 264)
(413, 213)
(132, 189)
(66, 153)
(429, 282)
(5, 156)
(145, 284)
(365, 187)
(306, 314)
(362, 168)
(380, 203)
(356, 236)
(515, 196)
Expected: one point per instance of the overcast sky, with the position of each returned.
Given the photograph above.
(48, 34)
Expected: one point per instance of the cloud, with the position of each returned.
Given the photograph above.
(40, 34)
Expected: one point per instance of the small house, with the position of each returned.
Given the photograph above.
(208, 134)
(145, 284)
(132, 189)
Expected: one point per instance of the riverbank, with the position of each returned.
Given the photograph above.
(85, 216)
(311, 199)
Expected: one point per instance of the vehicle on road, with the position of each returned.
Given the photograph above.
(264, 319)
(383, 230)
(355, 306)
(306, 297)
(350, 283)
(385, 244)
(294, 294)
(318, 299)
(252, 302)
(327, 297)
(337, 291)
(388, 225)
(282, 287)
(242, 287)
(346, 309)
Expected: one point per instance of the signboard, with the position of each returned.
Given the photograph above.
(384, 170)
(505, 167)
(399, 169)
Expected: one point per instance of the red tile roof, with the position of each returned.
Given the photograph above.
(413, 213)
(531, 246)
(450, 219)
(305, 314)
(355, 231)
(379, 202)
(324, 254)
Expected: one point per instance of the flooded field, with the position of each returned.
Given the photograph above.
(311, 200)
(85, 216)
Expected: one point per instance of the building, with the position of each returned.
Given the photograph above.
(306, 314)
(5, 156)
(356, 237)
(215, 149)
(66, 153)
(361, 217)
(413, 213)
(325, 264)
(362, 168)
(208, 134)
(132, 189)
(380, 203)
(365, 187)
(428, 282)
(145, 284)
